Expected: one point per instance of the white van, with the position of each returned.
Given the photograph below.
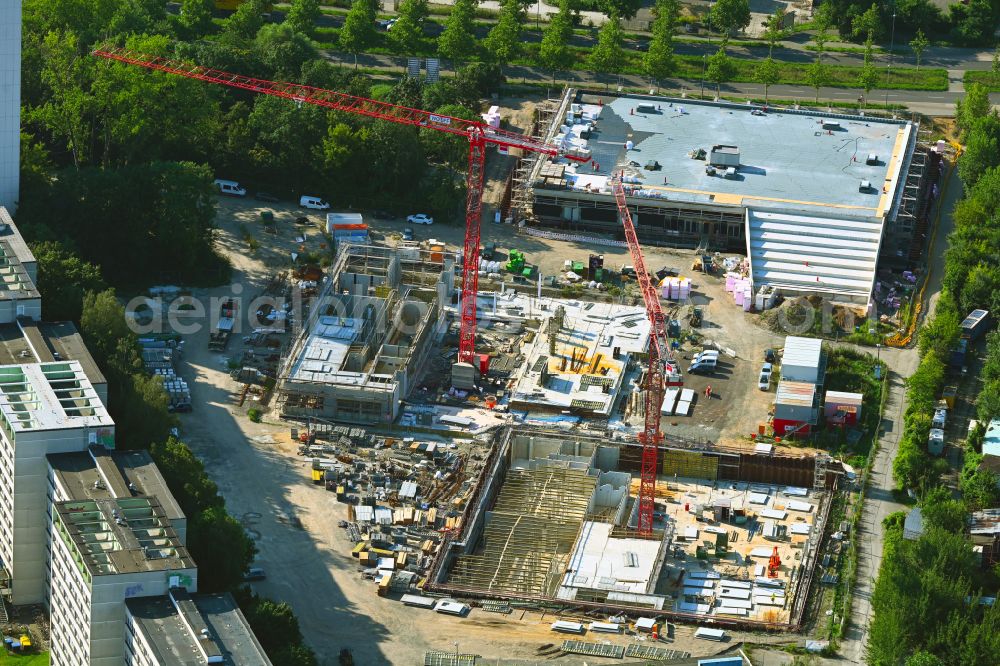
(315, 203)
(708, 353)
(230, 188)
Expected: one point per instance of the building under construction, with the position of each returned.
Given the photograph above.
(737, 534)
(816, 200)
(367, 334)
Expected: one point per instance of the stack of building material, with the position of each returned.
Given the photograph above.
(492, 117)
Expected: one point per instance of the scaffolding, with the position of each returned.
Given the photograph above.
(529, 534)
(522, 192)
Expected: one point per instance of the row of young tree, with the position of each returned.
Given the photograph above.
(926, 600)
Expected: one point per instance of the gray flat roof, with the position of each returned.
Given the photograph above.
(172, 642)
(787, 160)
(28, 341)
(116, 470)
(123, 535)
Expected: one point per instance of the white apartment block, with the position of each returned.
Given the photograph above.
(10, 101)
(18, 272)
(182, 629)
(44, 408)
(105, 551)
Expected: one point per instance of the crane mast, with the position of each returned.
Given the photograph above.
(659, 357)
(479, 134)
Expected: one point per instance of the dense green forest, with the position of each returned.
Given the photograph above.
(927, 597)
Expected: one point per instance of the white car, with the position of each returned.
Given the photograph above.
(764, 383)
(420, 218)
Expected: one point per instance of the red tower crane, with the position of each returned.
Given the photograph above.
(660, 357)
(479, 134)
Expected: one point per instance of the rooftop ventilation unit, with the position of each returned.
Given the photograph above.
(724, 156)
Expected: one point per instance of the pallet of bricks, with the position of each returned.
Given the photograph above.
(177, 389)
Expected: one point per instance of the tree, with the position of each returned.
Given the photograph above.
(185, 474)
(918, 45)
(982, 149)
(63, 279)
(939, 510)
(246, 20)
(458, 41)
(408, 30)
(658, 62)
(974, 23)
(766, 73)
(283, 50)
(447, 148)
(196, 16)
(358, 32)
(554, 51)
(868, 79)
(923, 659)
(972, 107)
(867, 24)
(720, 69)
(773, 29)
(607, 54)
(817, 76)
(303, 15)
(66, 75)
(622, 8)
(731, 16)
(219, 569)
(504, 40)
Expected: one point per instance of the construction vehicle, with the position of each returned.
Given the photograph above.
(515, 261)
(479, 134)
(662, 366)
(773, 564)
(696, 317)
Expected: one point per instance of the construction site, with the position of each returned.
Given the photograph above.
(367, 334)
(554, 520)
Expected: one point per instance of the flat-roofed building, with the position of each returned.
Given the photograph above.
(10, 101)
(181, 629)
(44, 408)
(105, 551)
(25, 341)
(18, 272)
(811, 197)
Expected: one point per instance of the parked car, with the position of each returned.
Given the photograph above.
(407, 234)
(266, 196)
(940, 418)
(764, 382)
(420, 218)
(770, 356)
(705, 365)
(230, 188)
(315, 203)
(254, 573)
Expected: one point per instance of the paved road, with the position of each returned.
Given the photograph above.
(930, 103)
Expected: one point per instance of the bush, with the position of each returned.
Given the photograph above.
(254, 415)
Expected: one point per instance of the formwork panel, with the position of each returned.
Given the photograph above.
(690, 464)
